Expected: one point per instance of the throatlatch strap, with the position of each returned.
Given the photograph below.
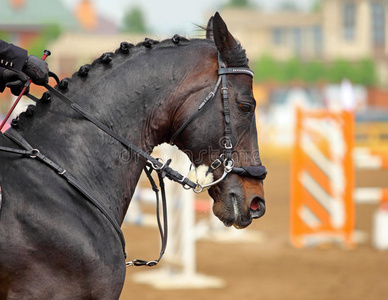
(196, 113)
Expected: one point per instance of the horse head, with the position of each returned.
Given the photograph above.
(223, 135)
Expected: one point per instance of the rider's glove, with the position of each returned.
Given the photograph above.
(15, 81)
(36, 69)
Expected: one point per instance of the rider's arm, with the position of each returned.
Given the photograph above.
(11, 57)
(18, 66)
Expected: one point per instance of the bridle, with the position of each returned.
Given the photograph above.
(225, 159)
(162, 168)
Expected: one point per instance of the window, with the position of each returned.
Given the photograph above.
(277, 36)
(297, 40)
(349, 21)
(318, 40)
(378, 23)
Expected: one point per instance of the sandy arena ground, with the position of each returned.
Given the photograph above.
(272, 269)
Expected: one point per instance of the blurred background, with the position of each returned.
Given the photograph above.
(306, 54)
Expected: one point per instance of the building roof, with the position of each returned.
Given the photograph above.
(255, 19)
(86, 15)
(36, 13)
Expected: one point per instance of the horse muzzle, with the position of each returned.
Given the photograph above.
(244, 202)
(233, 211)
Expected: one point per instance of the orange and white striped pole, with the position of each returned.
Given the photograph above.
(322, 178)
(366, 158)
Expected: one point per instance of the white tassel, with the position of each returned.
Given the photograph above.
(198, 175)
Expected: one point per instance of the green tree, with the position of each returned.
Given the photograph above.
(50, 33)
(358, 72)
(4, 36)
(239, 3)
(133, 21)
(367, 74)
(341, 69)
(266, 68)
(316, 6)
(292, 70)
(313, 72)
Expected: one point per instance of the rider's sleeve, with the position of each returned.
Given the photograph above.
(2, 83)
(11, 57)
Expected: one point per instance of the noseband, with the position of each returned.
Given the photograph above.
(225, 159)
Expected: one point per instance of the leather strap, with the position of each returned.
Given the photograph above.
(29, 151)
(225, 71)
(196, 113)
(258, 172)
(170, 173)
(163, 229)
(163, 169)
(225, 100)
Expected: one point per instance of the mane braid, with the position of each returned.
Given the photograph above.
(125, 49)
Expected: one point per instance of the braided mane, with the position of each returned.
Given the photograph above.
(235, 58)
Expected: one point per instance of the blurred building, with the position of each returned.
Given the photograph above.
(22, 21)
(74, 49)
(351, 29)
(36, 22)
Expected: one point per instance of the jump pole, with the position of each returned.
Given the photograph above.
(322, 179)
(178, 267)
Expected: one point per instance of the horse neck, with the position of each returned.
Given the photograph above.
(135, 102)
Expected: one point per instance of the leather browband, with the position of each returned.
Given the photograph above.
(224, 71)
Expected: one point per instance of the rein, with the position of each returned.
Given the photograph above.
(157, 164)
(29, 151)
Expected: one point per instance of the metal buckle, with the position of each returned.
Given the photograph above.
(226, 146)
(129, 264)
(199, 188)
(140, 262)
(228, 165)
(157, 168)
(216, 164)
(62, 172)
(34, 153)
(186, 187)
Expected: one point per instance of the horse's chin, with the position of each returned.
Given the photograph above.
(231, 211)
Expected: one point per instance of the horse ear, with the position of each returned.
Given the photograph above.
(222, 37)
(209, 29)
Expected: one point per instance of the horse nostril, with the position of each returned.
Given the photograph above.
(257, 207)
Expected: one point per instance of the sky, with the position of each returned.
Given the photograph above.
(167, 17)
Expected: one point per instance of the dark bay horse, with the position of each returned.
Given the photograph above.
(56, 245)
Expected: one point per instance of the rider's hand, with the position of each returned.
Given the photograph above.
(36, 69)
(15, 81)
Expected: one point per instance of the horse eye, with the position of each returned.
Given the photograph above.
(244, 107)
